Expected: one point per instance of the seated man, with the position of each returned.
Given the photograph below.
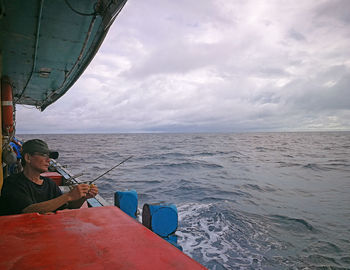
(28, 192)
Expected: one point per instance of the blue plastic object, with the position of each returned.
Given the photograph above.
(161, 219)
(126, 201)
(172, 239)
(17, 149)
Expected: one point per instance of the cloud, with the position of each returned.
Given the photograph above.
(219, 66)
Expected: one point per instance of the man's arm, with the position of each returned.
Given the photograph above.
(47, 206)
(75, 197)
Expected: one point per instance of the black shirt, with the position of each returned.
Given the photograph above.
(18, 192)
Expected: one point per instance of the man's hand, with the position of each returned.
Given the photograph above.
(93, 191)
(78, 192)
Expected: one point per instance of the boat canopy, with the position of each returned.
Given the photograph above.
(46, 45)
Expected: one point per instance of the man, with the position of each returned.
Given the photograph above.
(28, 192)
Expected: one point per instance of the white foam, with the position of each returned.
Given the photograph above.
(211, 237)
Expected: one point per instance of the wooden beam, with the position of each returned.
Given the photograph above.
(1, 174)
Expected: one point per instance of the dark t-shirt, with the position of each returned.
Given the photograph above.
(19, 192)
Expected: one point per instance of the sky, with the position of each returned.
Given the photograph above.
(211, 66)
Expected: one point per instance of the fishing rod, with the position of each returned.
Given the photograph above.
(60, 168)
(72, 178)
(115, 166)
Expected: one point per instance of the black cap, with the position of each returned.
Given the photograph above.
(38, 146)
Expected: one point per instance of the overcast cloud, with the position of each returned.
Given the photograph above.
(212, 66)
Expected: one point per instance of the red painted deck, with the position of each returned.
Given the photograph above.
(91, 238)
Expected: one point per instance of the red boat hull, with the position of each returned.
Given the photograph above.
(91, 238)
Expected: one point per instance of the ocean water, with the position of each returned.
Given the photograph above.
(245, 201)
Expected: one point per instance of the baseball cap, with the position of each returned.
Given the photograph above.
(38, 146)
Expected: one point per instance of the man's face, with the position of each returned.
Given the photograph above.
(39, 162)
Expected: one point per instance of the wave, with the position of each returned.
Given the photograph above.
(315, 167)
(204, 154)
(322, 262)
(283, 164)
(221, 238)
(323, 247)
(183, 165)
(258, 188)
(292, 223)
(206, 235)
(331, 165)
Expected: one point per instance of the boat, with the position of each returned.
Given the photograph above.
(45, 46)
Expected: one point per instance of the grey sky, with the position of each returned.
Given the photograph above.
(212, 66)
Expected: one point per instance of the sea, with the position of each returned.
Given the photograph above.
(244, 200)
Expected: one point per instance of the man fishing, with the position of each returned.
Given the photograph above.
(28, 192)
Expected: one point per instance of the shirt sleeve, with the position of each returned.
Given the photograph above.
(15, 198)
